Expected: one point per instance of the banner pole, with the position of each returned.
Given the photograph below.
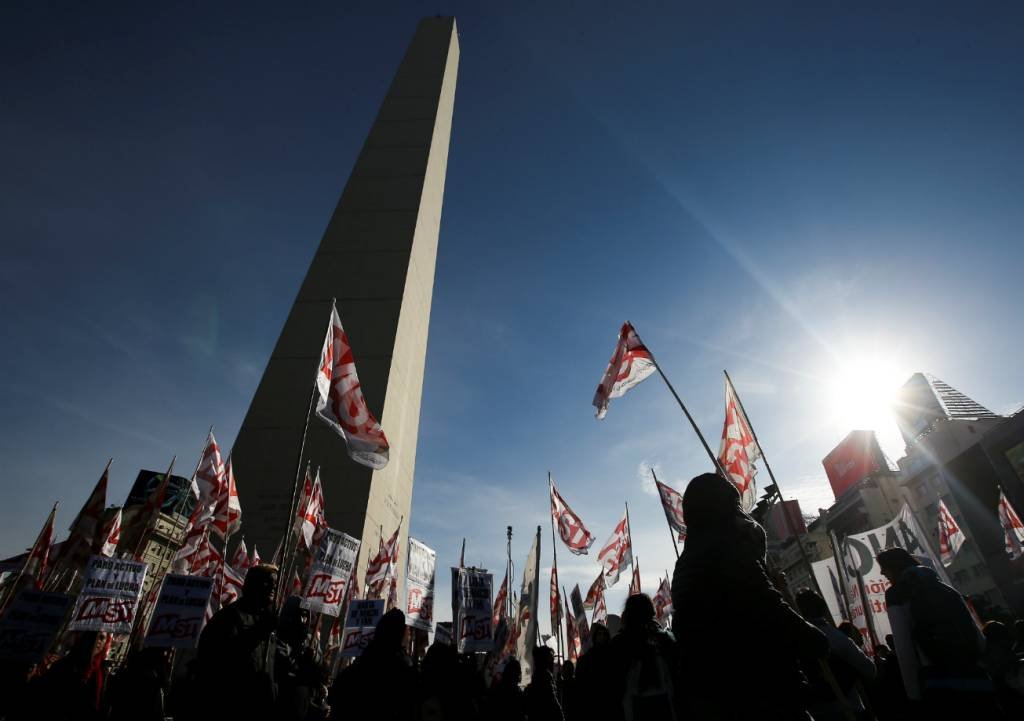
(557, 631)
(671, 531)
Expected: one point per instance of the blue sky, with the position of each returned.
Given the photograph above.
(816, 196)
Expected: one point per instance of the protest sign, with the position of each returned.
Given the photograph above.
(180, 611)
(419, 584)
(110, 594)
(30, 624)
(360, 624)
(330, 572)
(472, 623)
(443, 632)
(827, 576)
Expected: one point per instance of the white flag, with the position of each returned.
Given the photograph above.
(950, 535)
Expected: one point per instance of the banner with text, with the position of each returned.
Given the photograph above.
(30, 624)
(473, 619)
(419, 584)
(360, 624)
(110, 595)
(180, 611)
(827, 576)
(330, 572)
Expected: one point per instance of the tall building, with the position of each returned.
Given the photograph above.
(377, 259)
(924, 399)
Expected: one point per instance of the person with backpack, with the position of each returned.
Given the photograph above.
(937, 642)
(647, 660)
(847, 662)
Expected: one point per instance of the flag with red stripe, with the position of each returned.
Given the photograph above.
(950, 535)
(1013, 529)
(739, 451)
(672, 503)
(630, 364)
(617, 552)
(574, 534)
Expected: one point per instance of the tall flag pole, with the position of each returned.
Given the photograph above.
(634, 584)
(746, 428)
(1013, 529)
(630, 364)
(38, 558)
(510, 576)
(574, 534)
(555, 602)
(528, 606)
(672, 505)
(617, 552)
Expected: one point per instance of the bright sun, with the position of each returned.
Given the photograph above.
(861, 393)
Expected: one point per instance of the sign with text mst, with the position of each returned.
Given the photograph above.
(419, 584)
(29, 626)
(473, 620)
(180, 611)
(110, 595)
(330, 573)
(360, 624)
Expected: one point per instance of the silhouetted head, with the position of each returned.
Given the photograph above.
(260, 587)
(512, 673)
(710, 503)
(894, 561)
(811, 605)
(543, 659)
(890, 641)
(568, 670)
(293, 623)
(852, 633)
(997, 634)
(599, 635)
(638, 612)
(390, 630)
(882, 652)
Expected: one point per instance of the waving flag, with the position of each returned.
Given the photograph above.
(739, 451)
(254, 558)
(38, 561)
(672, 502)
(556, 603)
(85, 528)
(312, 514)
(663, 601)
(341, 404)
(227, 512)
(630, 364)
(574, 534)
(600, 610)
(240, 561)
(617, 552)
(1013, 529)
(379, 568)
(231, 585)
(572, 634)
(950, 535)
(110, 534)
(634, 584)
(595, 590)
(209, 484)
(499, 603)
(529, 600)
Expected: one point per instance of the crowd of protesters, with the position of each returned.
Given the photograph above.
(738, 648)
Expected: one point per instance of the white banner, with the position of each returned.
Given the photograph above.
(30, 624)
(473, 619)
(419, 584)
(827, 576)
(360, 625)
(110, 595)
(180, 611)
(330, 572)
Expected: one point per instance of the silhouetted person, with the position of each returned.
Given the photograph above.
(567, 688)
(596, 672)
(1005, 668)
(846, 661)
(447, 692)
(69, 690)
(647, 665)
(235, 670)
(852, 633)
(136, 692)
(937, 643)
(505, 701)
(381, 684)
(541, 695)
(297, 665)
(726, 609)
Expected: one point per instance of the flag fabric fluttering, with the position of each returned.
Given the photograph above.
(634, 583)
(227, 512)
(672, 502)
(556, 603)
(630, 364)
(739, 451)
(663, 601)
(596, 588)
(341, 403)
(231, 585)
(500, 600)
(574, 534)
(572, 635)
(1013, 529)
(529, 598)
(380, 568)
(950, 535)
(209, 485)
(600, 610)
(254, 557)
(240, 561)
(110, 534)
(85, 528)
(38, 561)
(311, 515)
(617, 552)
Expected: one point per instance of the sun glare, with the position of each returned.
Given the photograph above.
(862, 391)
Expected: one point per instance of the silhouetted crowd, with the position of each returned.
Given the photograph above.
(738, 648)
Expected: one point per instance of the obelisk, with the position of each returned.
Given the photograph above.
(377, 259)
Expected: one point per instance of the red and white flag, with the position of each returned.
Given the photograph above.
(600, 610)
(739, 451)
(1013, 529)
(227, 512)
(341, 404)
(381, 566)
(630, 364)
(85, 528)
(499, 603)
(950, 535)
(617, 552)
(38, 561)
(556, 603)
(312, 514)
(209, 484)
(595, 590)
(254, 557)
(207, 560)
(634, 584)
(296, 585)
(663, 601)
(111, 535)
(574, 534)
(334, 637)
(240, 561)
(672, 502)
(231, 585)
(572, 635)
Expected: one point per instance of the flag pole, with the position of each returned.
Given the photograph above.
(508, 575)
(51, 517)
(785, 513)
(629, 532)
(682, 406)
(554, 569)
(671, 531)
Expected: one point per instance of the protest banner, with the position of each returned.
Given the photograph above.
(419, 584)
(110, 595)
(472, 623)
(443, 632)
(330, 572)
(30, 624)
(360, 624)
(180, 611)
(827, 576)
